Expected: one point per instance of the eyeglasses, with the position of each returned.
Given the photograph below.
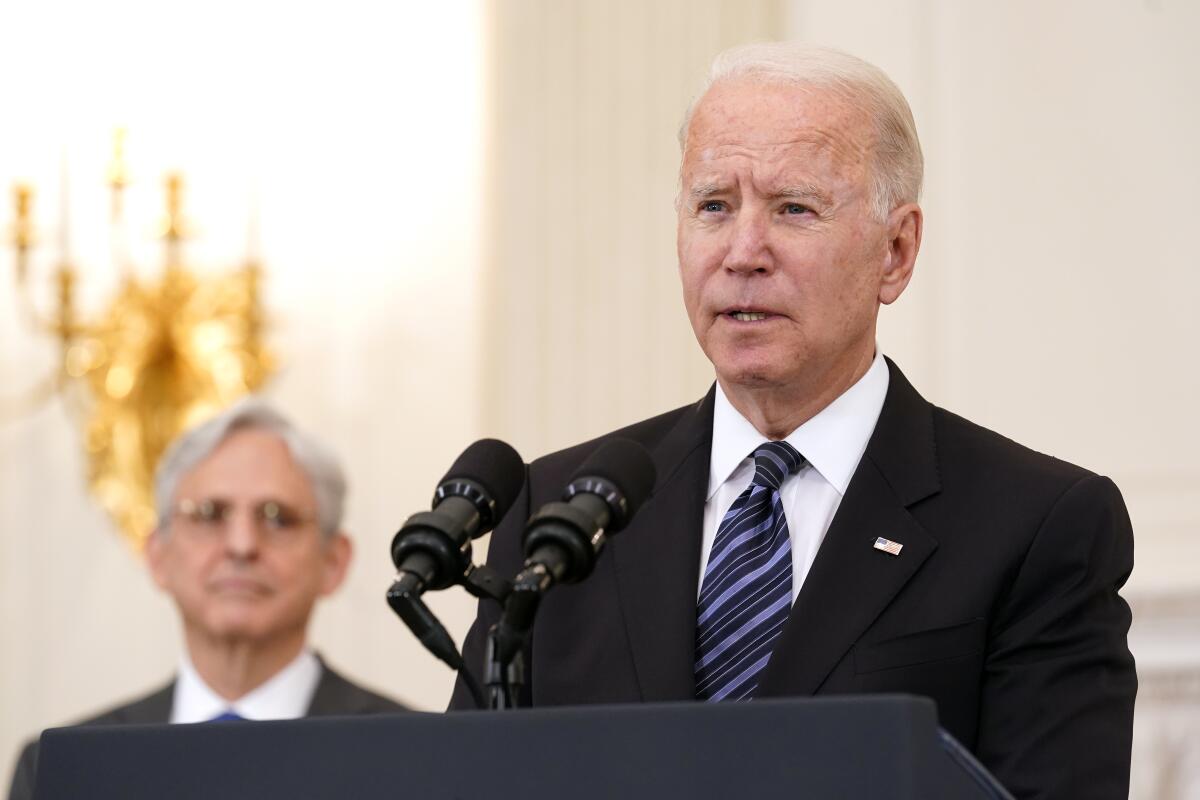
(276, 520)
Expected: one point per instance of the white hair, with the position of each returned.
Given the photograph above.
(324, 473)
(898, 166)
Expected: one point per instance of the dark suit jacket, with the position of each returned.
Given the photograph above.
(334, 696)
(1002, 605)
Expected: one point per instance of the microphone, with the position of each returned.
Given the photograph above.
(432, 550)
(563, 540)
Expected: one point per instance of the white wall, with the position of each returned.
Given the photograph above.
(360, 124)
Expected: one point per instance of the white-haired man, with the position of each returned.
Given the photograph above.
(248, 540)
(817, 526)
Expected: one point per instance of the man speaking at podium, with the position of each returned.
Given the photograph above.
(817, 526)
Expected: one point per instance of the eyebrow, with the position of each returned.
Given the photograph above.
(804, 191)
(800, 191)
(703, 190)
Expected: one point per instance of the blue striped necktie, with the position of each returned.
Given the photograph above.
(747, 592)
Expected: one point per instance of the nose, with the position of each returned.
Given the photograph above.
(749, 249)
(241, 536)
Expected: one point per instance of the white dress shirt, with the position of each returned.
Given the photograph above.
(287, 695)
(832, 442)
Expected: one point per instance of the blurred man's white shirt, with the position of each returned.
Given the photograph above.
(287, 695)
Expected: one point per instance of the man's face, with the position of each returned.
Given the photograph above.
(242, 556)
(782, 261)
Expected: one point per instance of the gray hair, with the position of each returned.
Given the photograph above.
(898, 167)
(318, 463)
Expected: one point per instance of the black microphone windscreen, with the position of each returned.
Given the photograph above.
(625, 463)
(495, 466)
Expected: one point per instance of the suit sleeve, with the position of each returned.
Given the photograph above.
(26, 771)
(1057, 700)
(506, 556)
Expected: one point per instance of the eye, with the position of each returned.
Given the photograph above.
(202, 516)
(279, 516)
(712, 207)
(795, 209)
(207, 512)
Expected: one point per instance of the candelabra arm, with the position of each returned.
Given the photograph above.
(64, 326)
(31, 316)
(23, 239)
(67, 326)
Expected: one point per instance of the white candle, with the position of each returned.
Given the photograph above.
(253, 244)
(64, 203)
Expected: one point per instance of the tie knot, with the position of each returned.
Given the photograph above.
(773, 462)
(228, 716)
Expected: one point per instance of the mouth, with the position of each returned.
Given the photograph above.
(239, 587)
(747, 314)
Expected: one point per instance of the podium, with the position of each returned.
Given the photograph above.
(872, 746)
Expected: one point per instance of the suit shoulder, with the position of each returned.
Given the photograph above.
(149, 708)
(648, 433)
(338, 695)
(24, 772)
(970, 454)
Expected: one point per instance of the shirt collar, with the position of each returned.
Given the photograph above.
(286, 695)
(833, 441)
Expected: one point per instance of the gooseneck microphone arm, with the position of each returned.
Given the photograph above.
(409, 606)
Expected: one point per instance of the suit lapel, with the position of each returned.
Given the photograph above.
(657, 560)
(327, 697)
(153, 709)
(851, 582)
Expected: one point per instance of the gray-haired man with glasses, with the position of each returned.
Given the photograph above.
(248, 540)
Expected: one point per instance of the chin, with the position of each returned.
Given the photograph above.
(241, 621)
(241, 628)
(747, 364)
(752, 374)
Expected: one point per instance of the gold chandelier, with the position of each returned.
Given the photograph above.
(163, 355)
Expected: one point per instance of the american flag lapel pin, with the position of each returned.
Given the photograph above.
(888, 546)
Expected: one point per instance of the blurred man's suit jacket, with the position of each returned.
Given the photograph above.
(334, 696)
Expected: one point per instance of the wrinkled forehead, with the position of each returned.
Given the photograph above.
(773, 119)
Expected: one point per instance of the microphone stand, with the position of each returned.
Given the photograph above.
(505, 661)
(504, 681)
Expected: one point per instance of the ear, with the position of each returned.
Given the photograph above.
(156, 556)
(904, 227)
(338, 552)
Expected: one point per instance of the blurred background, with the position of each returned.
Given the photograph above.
(461, 207)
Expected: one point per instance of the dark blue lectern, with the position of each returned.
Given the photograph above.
(875, 747)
